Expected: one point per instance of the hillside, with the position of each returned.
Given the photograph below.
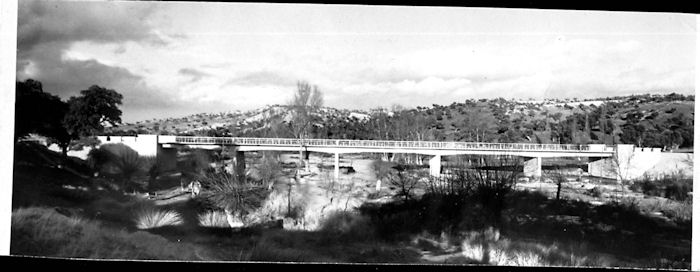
(664, 121)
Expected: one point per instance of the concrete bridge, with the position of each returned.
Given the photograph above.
(164, 146)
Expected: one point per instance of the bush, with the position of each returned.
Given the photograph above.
(149, 218)
(405, 183)
(595, 192)
(225, 191)
(121, 160)
(674, 187)
(679, 189)
(269, 170)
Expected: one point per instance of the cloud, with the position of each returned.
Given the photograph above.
(194, 74)
(261, 78)
(60, 23)
(46, 30)
(170, 59)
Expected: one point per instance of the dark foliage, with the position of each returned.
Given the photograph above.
(39, 112)
(88, 112)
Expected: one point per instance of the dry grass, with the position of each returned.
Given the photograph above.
(213, 219)
(678, 211)
(149, 218)
(44, 232)
(484, 247)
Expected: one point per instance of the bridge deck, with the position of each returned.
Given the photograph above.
(379, 144)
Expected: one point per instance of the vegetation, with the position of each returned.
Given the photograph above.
(63, 122)
(150, 217)
(87, 112)
(236, 197)
(471, 214)
(29, 97)
(213, 219)
(672, 186)
(122, 162)
(305, 102)
(663, 121)
(45, 232)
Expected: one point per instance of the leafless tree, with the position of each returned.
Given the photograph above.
(306, 100)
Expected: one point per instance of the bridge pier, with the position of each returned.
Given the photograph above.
(167, 158)
(533, 167)
(337, 166)
(435, 164)
(239, 165)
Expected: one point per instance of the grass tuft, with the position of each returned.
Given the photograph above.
(149, 218)
(213, 219)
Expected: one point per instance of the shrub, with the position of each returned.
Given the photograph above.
(650, 187)
(595, 192)
(674, 187)
(405, 183)
(227, 192)
(678, 189)
(680, 212)
(119, 159)
(149, 218)
(269, 170)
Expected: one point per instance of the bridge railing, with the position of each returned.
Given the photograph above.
(378, 144)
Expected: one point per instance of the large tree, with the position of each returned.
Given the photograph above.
(306, 100)
(88, 113)
(39, 112)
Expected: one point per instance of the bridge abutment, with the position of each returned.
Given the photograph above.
(603, 167)
(533, 167)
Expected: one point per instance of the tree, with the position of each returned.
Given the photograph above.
(88, 112)
(306, 100)
(479, 125)
(47, 121)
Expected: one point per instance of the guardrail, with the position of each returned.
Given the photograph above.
(381, 144)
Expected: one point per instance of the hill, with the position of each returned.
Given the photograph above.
(664, 121)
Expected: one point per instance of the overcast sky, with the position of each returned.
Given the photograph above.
(173, 59)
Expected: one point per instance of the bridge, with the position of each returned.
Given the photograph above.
(165, 145)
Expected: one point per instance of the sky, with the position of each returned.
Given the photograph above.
(173, 59)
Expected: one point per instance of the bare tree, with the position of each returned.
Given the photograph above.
(306, 100)
(494, 180)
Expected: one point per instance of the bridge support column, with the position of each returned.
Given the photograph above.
(337, 166)
(167, 158)
(533, 167)
(239, 164)
(435, 165)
